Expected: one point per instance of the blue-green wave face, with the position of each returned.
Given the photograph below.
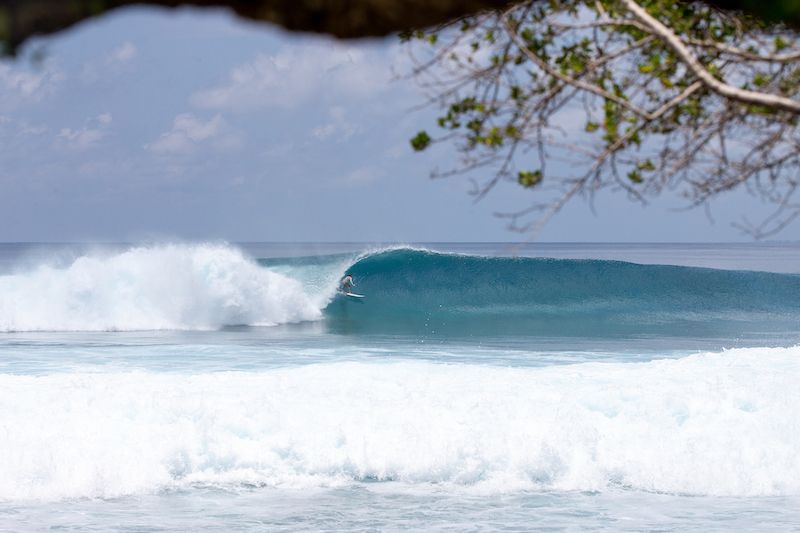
(425, 293)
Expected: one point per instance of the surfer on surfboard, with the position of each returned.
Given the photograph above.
(347, 283)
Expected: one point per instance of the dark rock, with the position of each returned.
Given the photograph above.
(21, 19)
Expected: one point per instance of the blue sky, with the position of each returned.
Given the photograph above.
(150, 124)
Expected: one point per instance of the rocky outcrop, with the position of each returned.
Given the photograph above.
(21, 19)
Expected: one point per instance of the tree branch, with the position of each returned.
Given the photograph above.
(771, 101)
(563, 77)
(745, 54)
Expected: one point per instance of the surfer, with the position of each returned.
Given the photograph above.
(347, 283)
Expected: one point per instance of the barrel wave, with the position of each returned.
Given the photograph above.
(426, 292)
(408, 291)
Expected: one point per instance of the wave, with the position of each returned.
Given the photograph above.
(708, 424)
(409, 291)
(202, 286)
(426, 292)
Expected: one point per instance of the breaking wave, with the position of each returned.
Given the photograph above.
(203, 286)
(709, 424)
(408, 291)
(419, 291)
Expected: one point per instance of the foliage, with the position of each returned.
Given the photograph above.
(669, 96)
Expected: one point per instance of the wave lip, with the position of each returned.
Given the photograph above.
(709, 424)
(180, 286)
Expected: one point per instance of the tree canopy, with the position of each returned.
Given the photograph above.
(666, 96)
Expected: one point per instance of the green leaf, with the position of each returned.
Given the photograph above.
(592, 126)
(635, 176)
(420, 141)
(528, 178)
(645, 165)
(494, 138)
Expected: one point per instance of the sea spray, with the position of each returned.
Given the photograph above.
(179, 286)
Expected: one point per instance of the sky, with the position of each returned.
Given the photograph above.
(193, 125)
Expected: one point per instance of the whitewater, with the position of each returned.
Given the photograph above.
(218, 387)
(148, 288)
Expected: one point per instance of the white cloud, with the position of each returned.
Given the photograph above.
(296, 74)
(82, 138)
(88, 136)
(20, 138)
(21, 84)
(188, 132)
(278, 151)
(397, 150)
(338, 126)
(361, 176)
(124, 52)
(111, 63)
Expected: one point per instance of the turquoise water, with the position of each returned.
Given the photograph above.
(477, 387)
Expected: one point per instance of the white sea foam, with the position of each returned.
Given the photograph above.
(719, 424)
(182, 286)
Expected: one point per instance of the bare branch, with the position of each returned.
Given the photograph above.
(740, 52)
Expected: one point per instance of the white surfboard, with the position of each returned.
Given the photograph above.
(353, 295)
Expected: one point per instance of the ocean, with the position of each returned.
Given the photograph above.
(476, 387)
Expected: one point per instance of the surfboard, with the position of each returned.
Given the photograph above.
(353, 295)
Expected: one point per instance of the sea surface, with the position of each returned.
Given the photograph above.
(476, 387)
